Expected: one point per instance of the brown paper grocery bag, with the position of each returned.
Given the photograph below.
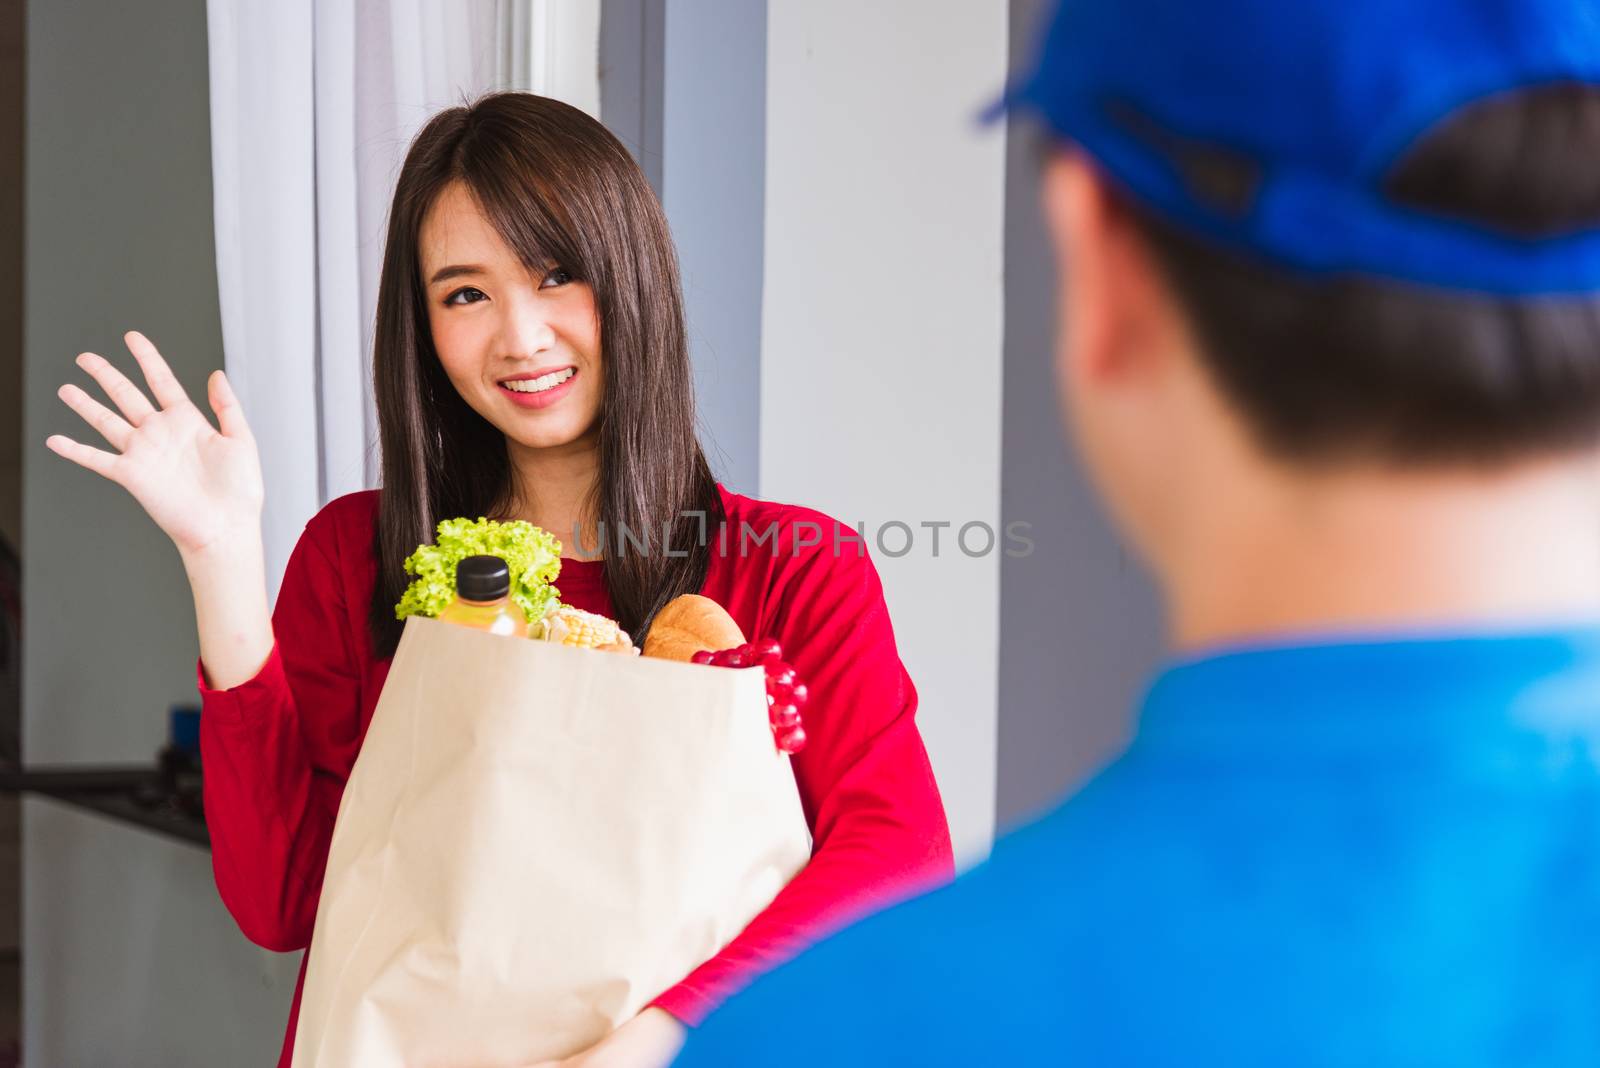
(534, 843)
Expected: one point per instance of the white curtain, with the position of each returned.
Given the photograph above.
(313, 104)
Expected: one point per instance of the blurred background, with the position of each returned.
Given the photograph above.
(869, 295)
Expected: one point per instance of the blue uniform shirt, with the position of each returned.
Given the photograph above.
(1374, 853)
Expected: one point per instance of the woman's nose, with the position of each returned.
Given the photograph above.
(526, 328)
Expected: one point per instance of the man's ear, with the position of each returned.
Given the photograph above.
(1109, 292)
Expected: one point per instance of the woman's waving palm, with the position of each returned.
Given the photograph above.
(200, 484)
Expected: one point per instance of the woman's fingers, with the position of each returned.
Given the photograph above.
(230, 416)
(136, 407)
(112, 427)
(168, 391)
(96, 460)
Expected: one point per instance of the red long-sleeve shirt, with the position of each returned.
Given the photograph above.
(278, 748)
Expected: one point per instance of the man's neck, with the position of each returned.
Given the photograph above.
(1384, 552)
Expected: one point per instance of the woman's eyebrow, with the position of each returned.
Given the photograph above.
(444, 274)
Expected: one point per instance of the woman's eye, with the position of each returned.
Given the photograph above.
(558, 276)
(467, 295)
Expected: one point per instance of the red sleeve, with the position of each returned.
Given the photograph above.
(272, 786)
(878, 825)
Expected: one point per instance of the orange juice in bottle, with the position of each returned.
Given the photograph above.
(483, 598)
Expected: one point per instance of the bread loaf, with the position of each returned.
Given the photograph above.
(688, 624)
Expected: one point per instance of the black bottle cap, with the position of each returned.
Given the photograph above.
(482, 578)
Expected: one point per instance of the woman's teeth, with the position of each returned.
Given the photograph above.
(539, 385)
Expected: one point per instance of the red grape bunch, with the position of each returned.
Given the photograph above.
(785, 692)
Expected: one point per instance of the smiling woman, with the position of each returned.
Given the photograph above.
(530, 362)
(522, 234)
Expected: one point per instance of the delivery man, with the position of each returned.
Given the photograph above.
(1330, 344)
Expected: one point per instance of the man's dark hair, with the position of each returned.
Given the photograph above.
(1353, 367)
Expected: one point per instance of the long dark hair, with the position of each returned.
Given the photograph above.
(558, 187)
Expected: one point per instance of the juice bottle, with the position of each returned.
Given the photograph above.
(483, 598)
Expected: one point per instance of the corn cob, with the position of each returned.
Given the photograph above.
(566, 625)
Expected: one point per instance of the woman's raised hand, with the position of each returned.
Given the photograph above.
(201, 485)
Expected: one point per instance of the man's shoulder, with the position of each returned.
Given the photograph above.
(1060, 941)
(971, 973)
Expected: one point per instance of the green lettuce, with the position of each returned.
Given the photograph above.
(532, 555)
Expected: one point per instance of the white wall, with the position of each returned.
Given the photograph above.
(129, 957)
(1070, 677)
(713, 136)
(882, 326)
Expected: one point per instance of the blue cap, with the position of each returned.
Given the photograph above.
(1321, 98)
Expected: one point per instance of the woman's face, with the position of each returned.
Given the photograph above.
(521, 347)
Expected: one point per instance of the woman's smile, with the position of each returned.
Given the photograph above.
(539, 389)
